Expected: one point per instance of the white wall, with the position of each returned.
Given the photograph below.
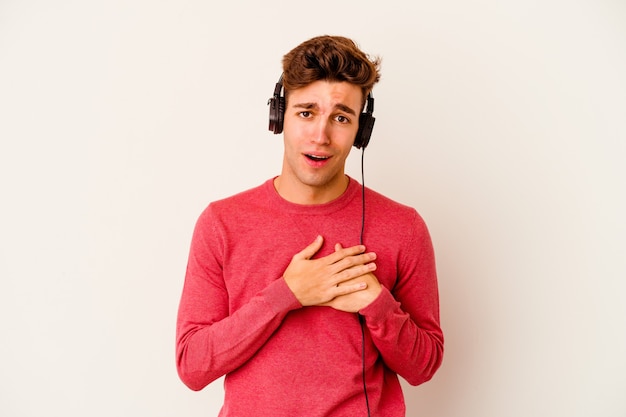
(502, 122)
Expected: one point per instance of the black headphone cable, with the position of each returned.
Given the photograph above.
(361, 318)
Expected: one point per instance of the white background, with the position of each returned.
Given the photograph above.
(502, 122)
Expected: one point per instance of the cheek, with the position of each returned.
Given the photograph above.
(293, 134)
(290, 147)
(348, 143)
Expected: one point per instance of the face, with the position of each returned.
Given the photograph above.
(320, 124)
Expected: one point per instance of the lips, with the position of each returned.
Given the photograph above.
(317, 158)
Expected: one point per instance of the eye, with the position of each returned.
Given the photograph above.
(305, 114)
(342, 119)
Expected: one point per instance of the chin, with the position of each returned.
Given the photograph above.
(320, 181)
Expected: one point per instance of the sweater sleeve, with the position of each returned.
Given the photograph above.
(404, 322)
(211, 341)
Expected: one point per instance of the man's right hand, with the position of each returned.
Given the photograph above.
(316, 281)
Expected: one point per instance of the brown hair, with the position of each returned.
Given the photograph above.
(331, 58)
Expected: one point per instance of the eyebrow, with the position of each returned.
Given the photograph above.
(309, 106)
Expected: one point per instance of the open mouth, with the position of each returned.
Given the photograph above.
(317, 158)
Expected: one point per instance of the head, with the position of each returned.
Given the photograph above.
(329, 58)
(326, 82)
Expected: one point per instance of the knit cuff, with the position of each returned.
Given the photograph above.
(380, 309)
(279, 297)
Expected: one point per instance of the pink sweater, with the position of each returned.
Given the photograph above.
(238, 318)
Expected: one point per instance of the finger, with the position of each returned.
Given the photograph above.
(350, 262)
(309, 251)
(343, 253)
(350, 288)
(352, 272)
(338, 247)
(346, 289)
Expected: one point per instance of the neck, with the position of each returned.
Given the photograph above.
(309, 195)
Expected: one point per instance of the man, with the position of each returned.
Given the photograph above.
(281, 294)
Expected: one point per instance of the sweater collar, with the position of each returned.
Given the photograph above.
(275, 200)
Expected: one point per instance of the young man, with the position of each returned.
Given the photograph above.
(308, 292)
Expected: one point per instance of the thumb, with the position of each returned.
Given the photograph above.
(312, 249)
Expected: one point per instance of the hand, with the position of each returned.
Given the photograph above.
(355, 301)
(317, 281)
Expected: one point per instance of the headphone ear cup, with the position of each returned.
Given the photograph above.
(363, 135)
(277, 113)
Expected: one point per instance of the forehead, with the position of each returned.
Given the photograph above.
(327, 94)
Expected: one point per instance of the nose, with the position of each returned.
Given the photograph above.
(320, 133)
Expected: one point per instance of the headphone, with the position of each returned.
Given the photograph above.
(277, 116)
